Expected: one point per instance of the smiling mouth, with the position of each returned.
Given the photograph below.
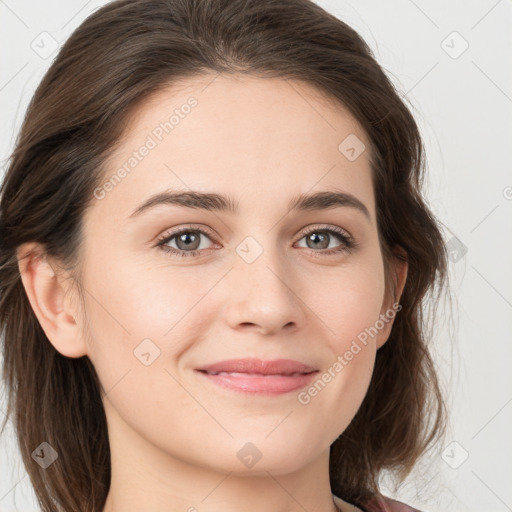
(257, 383)
(256, 376)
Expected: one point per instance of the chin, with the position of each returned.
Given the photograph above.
(255, 455)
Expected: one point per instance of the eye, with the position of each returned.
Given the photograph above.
(188, 241)
(322, 236)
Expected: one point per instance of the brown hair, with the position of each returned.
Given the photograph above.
(119, 55)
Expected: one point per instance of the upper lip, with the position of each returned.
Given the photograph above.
(259, 366)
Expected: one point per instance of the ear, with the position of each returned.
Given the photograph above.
(398, 268)
(47, 291)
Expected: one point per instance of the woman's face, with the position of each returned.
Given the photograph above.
(252, 281)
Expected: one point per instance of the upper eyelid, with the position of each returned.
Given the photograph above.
(168, 235)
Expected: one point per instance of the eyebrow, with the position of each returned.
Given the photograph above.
(210, 201)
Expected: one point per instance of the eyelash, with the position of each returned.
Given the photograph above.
(348, 243)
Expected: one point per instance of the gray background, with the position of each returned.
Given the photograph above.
(462, 99)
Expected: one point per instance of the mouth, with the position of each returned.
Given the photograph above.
(258, 376)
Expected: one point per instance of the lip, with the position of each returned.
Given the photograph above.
(259, 376)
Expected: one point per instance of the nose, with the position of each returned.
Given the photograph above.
(264, 295)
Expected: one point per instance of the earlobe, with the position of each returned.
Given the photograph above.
(47, 296)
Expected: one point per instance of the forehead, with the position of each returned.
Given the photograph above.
(256, 139)
(235, 107)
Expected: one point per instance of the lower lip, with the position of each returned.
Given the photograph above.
(261, 384)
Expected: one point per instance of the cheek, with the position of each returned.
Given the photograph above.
(138, 302)
(142, 320)
(350, 309)
(127, 317)
(136, 325)
(349, 301)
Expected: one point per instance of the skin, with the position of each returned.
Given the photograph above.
(174, 436)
